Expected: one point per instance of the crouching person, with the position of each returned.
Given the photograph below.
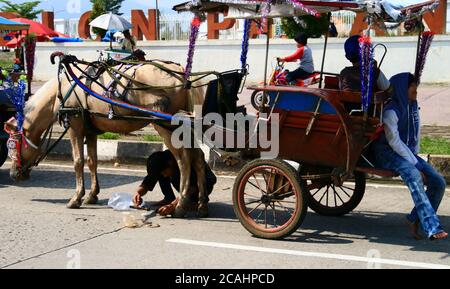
(397, 150)
(162, 168)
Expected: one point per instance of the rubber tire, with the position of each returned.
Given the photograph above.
(293, 175)
(360, 188)
(3, 152)
(253, 99)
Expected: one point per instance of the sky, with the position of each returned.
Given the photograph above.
(74, 8)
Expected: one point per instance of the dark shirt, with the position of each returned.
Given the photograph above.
(166, 183)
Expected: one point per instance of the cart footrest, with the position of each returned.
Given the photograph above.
(378, 172)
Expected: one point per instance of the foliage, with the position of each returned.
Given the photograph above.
(435, 145)
(313, 26)
(26, 10)
(109, 135)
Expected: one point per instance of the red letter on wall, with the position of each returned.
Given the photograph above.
(143, 26)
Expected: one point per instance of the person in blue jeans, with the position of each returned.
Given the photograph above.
(397, 150)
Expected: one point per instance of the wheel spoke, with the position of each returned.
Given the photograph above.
(326, 190)
(254, 208)
(274, 214)
(339, 196)
(265, 216)
(256, 186)
(259, 187)
(252, 202)
(318, 190)
(344, 192)
(279, 189)
(284, 201)
(257, 218)
(334, 195)
(348, 188)
(286, 209)
(251, 195)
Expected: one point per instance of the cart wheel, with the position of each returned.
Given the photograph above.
(3, 152)
(268, 199)
(326, 199)
(257, 99)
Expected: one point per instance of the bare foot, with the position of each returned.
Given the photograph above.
(438, 236)
(414, 229)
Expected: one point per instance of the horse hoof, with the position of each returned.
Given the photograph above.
(203, 211)
(179, 212)
(91, 200)
(74, 205)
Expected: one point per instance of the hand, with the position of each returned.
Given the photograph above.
(137, 199)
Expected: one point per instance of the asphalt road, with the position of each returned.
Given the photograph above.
(37, 231)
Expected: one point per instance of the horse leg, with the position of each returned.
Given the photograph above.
(200, 169)
(184, 163)
(91, 141)
(76, 139)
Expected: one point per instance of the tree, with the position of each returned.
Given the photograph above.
(25, 10)
(100, 7)
(314, 26)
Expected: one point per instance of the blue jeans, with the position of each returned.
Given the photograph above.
(426, 203)
(299, 73)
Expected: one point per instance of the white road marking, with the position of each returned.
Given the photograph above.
(309, 254)
(370, 185)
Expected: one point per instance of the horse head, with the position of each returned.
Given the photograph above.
(21, 150)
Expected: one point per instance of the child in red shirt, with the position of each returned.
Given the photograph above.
(304, 54)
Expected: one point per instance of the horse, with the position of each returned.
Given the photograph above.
(41, 112)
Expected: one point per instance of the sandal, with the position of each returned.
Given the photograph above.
(439, 236)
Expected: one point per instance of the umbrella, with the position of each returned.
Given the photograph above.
(111, 21)
(8, 25)
(42, 32)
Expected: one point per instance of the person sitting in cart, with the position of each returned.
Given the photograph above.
(162, 168)
(304, 54)
(129, 42)
(350, 77)
(397, 148)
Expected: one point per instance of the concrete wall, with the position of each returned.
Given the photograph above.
(222, 55)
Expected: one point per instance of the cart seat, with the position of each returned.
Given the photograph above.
(221, 94)
(331, 82)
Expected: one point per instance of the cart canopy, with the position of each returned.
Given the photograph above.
(389, 10)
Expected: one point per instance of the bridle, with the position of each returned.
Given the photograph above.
(18, 138)
(14, 144)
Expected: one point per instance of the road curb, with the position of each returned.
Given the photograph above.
(137, 152)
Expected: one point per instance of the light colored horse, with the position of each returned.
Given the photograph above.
(42, 109)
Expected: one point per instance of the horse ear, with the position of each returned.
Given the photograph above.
(11, 125)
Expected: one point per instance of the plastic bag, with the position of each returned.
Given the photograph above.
(121, 201)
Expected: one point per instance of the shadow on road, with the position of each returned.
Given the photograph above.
(65, 180)
(376, 227)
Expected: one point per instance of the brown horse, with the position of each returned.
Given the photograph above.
(42, 109)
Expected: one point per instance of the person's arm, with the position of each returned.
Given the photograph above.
(140, 192)
(382, 82)
(294, 57)
(390, 121)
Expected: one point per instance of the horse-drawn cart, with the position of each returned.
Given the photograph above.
(324, 133)
(323, 141)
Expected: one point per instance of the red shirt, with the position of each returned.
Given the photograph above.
(298, 54)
